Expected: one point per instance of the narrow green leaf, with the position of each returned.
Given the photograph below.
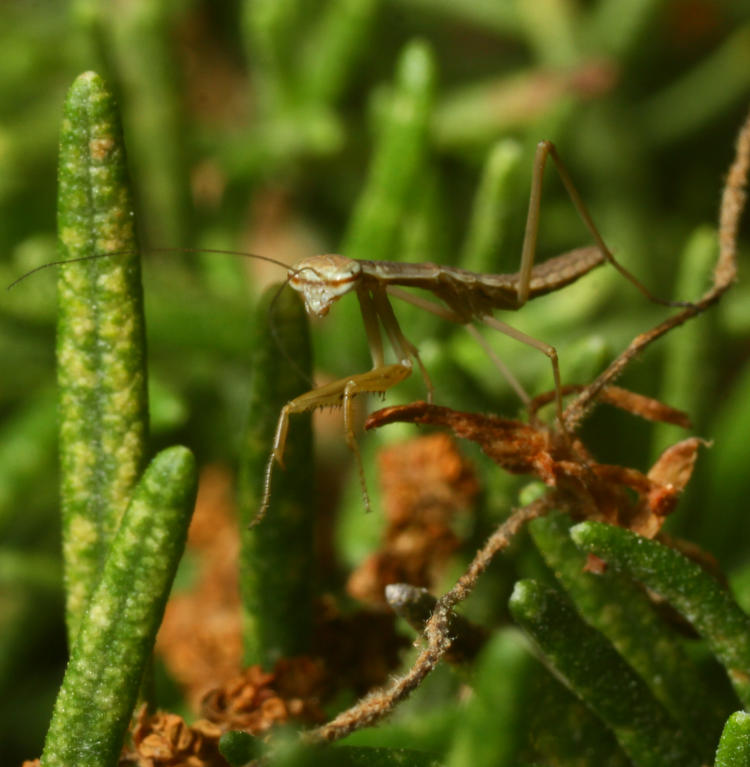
(563, 730)
(398, 158)
(270, 31)
(615, 606)
(487, 15)
(424, 225)
(726, 475)
(686, 586)
(333, 46)
(362, 756)
(292, 753)
(550, 28)
(617, 26)
(477, 113)
(494, 202)
(592, 668)
(276, 558)
(117, 631)
(100, 338)
(734, 746)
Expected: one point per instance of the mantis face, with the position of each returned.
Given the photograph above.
(322, 280)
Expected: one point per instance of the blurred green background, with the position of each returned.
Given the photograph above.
(393, 129)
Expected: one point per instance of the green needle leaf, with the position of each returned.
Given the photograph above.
(398, 159)
(621, 611)
(591, 667)
(494, 202)
(686, 586)
(117, 631)
(103, 403)
(734, 746)
(276, 558)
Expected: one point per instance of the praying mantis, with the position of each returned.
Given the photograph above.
(463, 297)
(466, 297)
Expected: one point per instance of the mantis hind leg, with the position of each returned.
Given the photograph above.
(545, 150)
(505, 371)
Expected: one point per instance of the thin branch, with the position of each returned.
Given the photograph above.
(380, 703)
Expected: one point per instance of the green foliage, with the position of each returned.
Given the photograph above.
(612, 604)
(708, 606)
(101, 362)
(734, 747)
(597, 674)
(276, 559)
(238, 747)
(117, 632)
(395, 129)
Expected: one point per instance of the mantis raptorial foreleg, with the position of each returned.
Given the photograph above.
(397, 338)
(336, 393)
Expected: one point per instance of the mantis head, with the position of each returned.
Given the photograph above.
(322, 280)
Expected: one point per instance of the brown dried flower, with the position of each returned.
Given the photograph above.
(256, 700)
(165, 739)
(425, 482)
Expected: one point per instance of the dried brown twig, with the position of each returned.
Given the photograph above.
(584, 487)
(380, 703)
(416, 605)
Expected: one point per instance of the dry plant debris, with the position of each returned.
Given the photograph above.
(256, 700)
(670, 468)
(582, 486)
(165, 739)
(357, 651)
(200, 641)
(425, 483)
